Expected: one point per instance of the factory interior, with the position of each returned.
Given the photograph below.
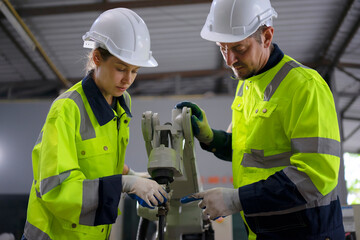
(42, 55)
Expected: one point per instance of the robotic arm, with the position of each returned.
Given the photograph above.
(172, 163)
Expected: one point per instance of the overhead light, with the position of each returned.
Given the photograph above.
(15, 23)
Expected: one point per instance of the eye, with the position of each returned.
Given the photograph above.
(120, 69)
(135, 70)
(240, 50)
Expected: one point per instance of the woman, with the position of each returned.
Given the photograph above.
(79, 156)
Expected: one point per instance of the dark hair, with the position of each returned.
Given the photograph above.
(258, 32)
(90, 65)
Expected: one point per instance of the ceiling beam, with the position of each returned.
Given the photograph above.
(32, 92)
(349, 94)
(219, 72)
(349, 73)
(27, 84)
(170, 75)
(352, 133)
(334, 32)
(21, 49)
(348, 65)
(13, 90)
(101, 6)
(184, 74)
(351, 118)
(15, 20)
(345, 41)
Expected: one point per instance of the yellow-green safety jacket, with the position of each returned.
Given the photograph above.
(77, 164)
(285, 148)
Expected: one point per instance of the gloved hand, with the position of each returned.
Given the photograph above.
(200, 126)
(216, 202)
(147, 192)
(139, 174)
(128, 171)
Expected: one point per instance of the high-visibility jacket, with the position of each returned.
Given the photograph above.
(285, 153)
(77, 164)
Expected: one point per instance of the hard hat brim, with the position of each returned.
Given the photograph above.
(222, 37)
(147, 63)
(151, 62)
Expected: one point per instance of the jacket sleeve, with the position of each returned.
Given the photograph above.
(310, 124)
(220, 146)
(61, 185)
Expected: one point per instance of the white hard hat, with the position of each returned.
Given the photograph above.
(124, 34)
(235, 20)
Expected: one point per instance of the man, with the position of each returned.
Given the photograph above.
(285, 142)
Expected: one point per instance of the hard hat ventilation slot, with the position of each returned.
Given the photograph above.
(238, 30)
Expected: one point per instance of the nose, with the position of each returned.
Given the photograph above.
(127, 77)
(230, 58)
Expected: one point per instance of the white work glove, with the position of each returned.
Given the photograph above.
(128, 171)
(216, 202)
(139, 174)
(147, 192)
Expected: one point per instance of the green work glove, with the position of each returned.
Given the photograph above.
(200, 125)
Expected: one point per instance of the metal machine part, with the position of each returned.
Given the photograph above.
(170, 148)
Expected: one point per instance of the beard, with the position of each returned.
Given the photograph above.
(243, 72)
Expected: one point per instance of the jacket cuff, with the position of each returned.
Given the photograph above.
(109, 197)
(276, 193)
(221, 145)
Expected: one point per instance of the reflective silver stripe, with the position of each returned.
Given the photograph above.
(241, 90)
(280, 75)
(257, 159)
(307, 189)
(31, 232)
(39, 139)
(87, 130)
(50, 183)
(323, 201)
(316, 145)
(37, 193)
(127, 99)
(271, 213)
(303, 183)
(90, 202)
(298, 145)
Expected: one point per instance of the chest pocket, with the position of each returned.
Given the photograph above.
(263, 123)
(95, 156)
(238, 104)
(264, 109)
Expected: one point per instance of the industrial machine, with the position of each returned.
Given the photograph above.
(172, 163)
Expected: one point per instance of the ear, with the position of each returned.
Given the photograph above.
(96, 57)
(268, 36)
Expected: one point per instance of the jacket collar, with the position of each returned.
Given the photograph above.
(101, 109)
(275, 58)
